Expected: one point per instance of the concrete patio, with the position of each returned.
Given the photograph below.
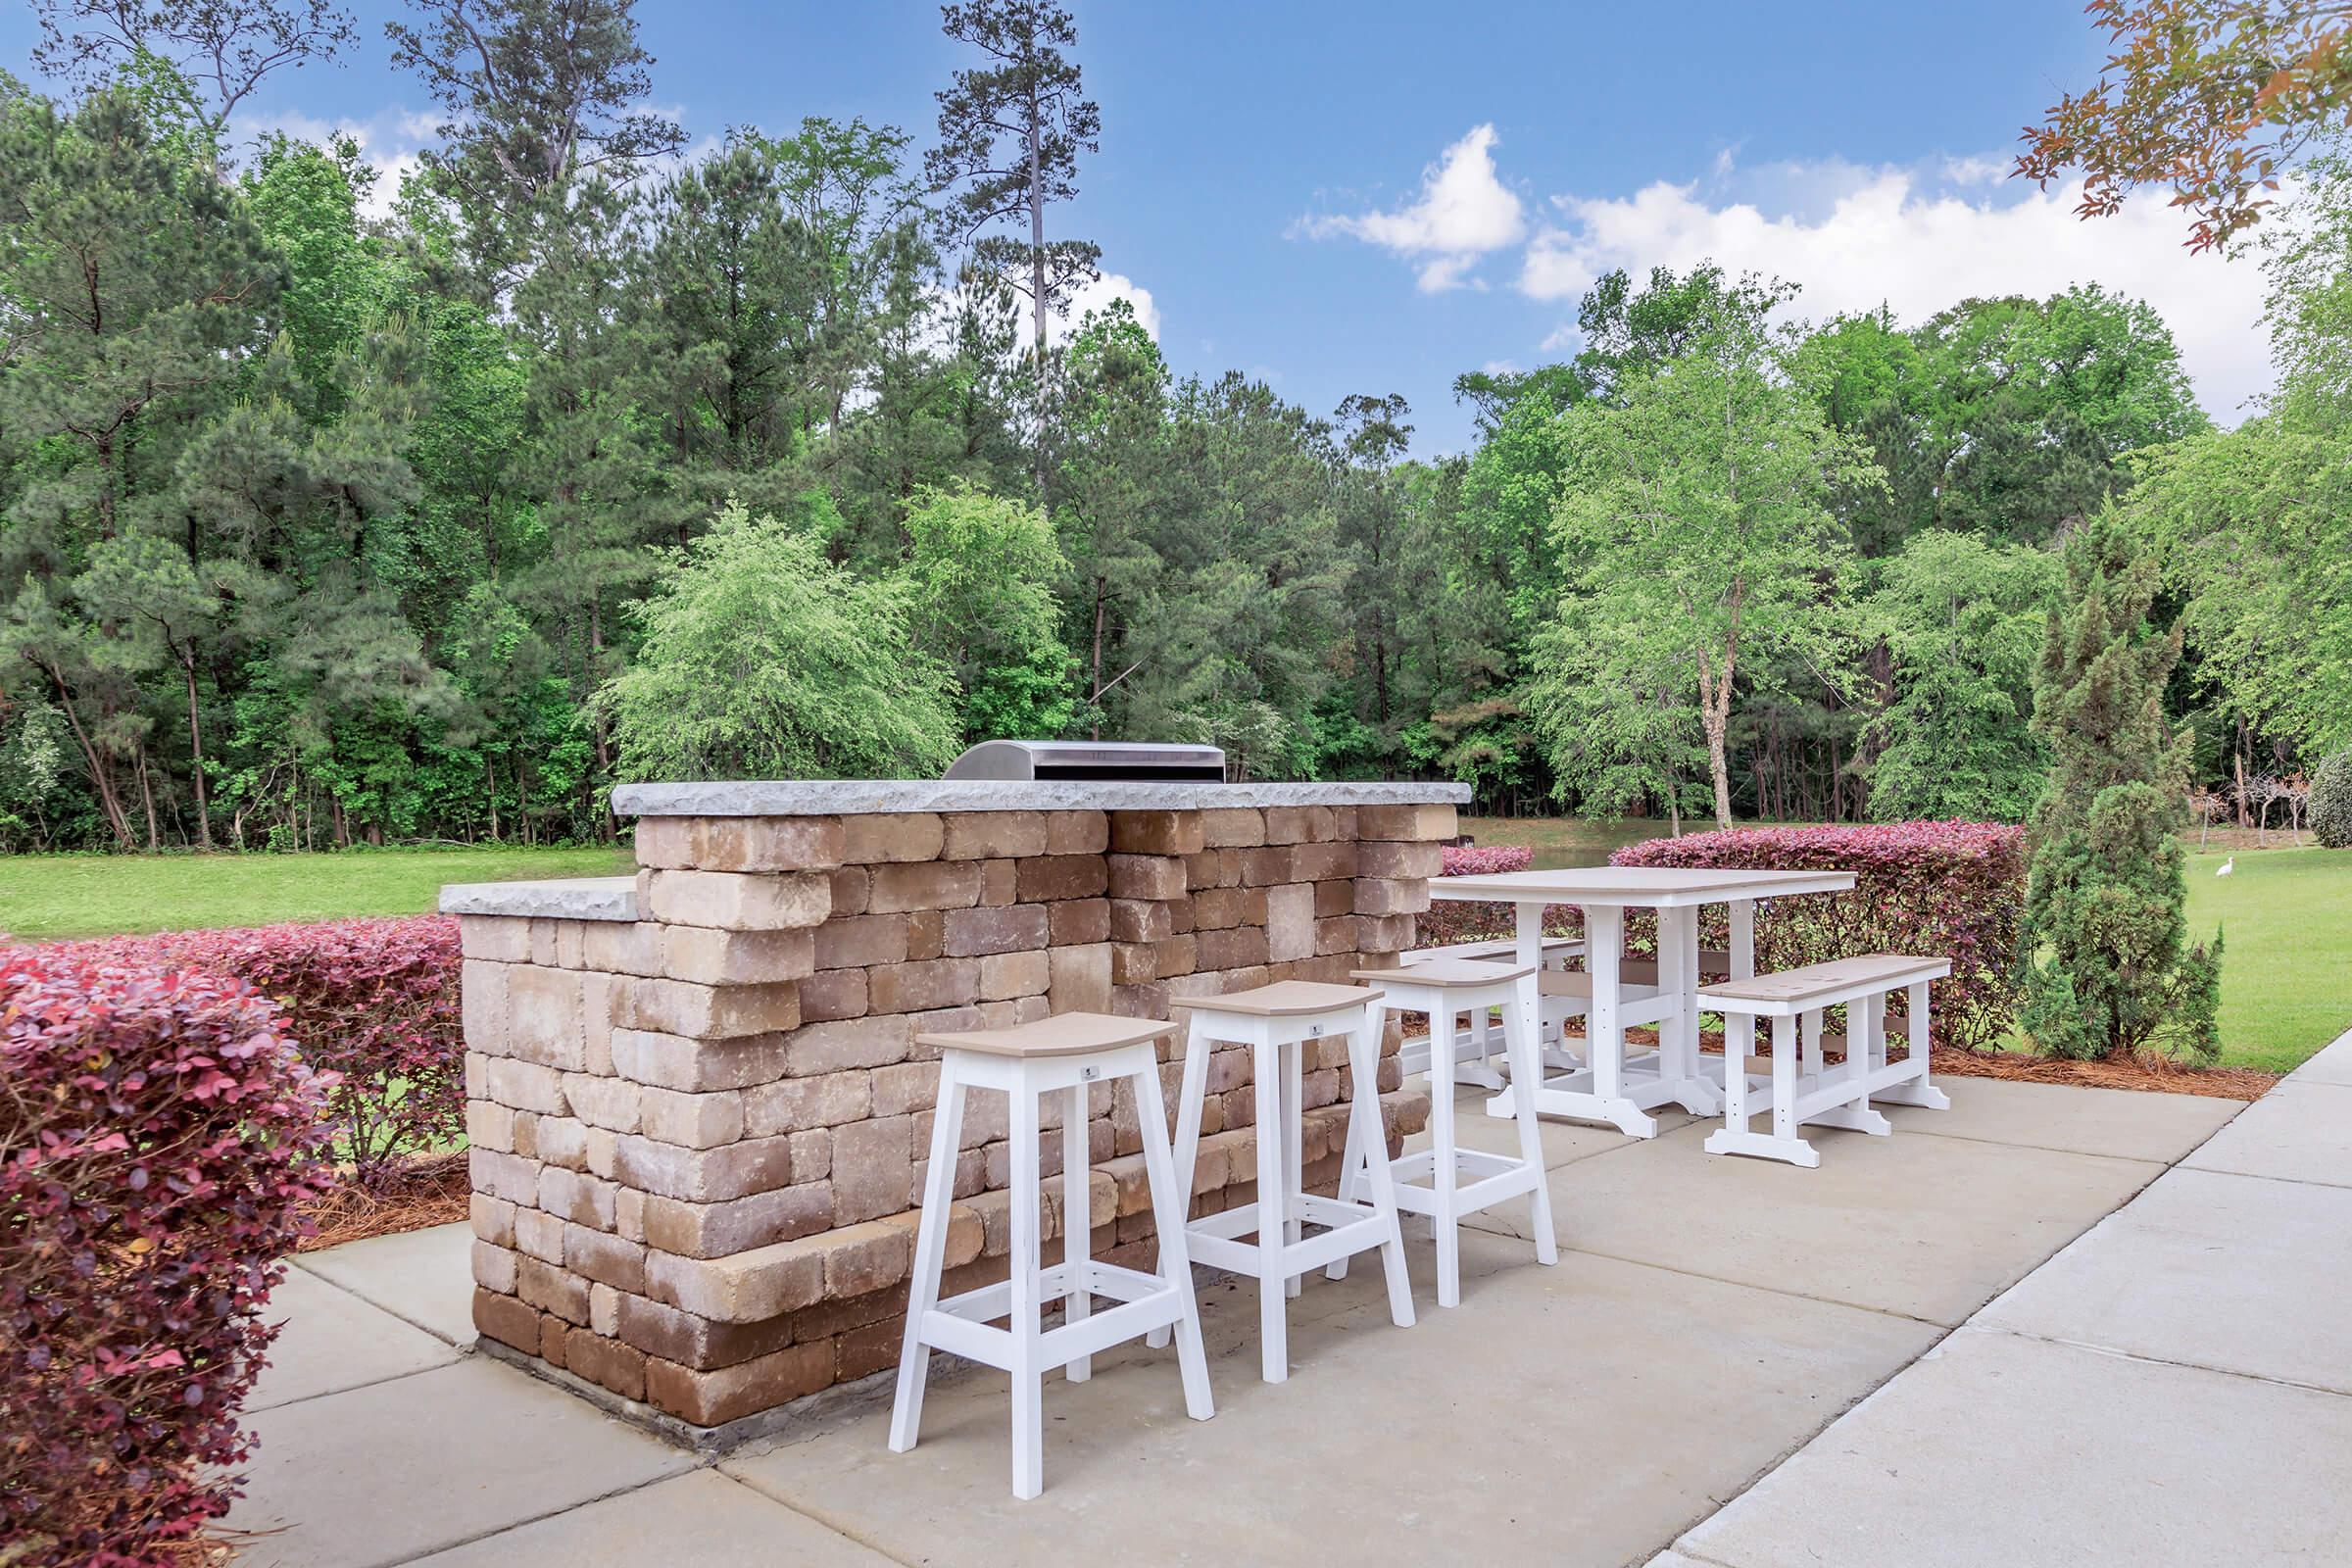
(2049, 1325)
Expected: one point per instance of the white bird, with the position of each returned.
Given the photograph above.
(2228, 867)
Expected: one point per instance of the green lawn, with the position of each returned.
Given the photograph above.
(2286, 915)
(100, 895)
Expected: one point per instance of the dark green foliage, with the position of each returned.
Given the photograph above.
(2107, 966)
(2332, 801)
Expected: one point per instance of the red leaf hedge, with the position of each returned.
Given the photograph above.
(375, 1001)
(1952, 889)
(157, 1136)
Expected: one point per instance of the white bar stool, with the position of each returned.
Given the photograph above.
(1063, 1054)
(1481, 1063)
(1276, 1021)
(1432, 1181)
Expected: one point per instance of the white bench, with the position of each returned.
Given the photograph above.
(1817, 1094)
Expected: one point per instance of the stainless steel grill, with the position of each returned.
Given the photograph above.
(1089, 759)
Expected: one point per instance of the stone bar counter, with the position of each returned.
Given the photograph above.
(699, 1117)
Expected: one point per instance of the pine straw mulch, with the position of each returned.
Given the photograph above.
(427, 1192)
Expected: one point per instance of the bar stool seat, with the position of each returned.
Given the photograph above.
(1065, 1054)
(1275, 1021)
(1444, 1181)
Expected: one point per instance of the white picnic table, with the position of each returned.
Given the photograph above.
(1608, 1088)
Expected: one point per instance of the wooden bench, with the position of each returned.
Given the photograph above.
(1795, 1000)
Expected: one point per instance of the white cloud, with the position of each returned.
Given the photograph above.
(1097, 296)
(1899, 239)
(390, 141)
(1463, 213)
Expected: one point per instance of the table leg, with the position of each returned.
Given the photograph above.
(1677, 931)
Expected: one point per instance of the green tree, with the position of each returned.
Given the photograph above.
(983, 570)
(762, 660)
(1963, 621)
(2107, 968)
(1695, 527)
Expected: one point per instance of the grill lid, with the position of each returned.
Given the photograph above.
(1090, 760)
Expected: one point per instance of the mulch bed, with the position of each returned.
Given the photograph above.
(429, 1192)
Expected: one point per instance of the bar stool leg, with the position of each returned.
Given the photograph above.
(1169, 1206)
(1442, 1171)
(1028, 1377)
(1293, 1148)
(1521, 1046)
(1196, 1047)
(1077, 1220)
(1352, 1169)
(930, 1255)
(1363, 1058)
(1273, 1298)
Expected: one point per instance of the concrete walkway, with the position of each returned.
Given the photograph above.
(2176, 1387)
(1709, 1318)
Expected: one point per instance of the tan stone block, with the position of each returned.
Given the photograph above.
(493, 1219)
(979, 835)
(604, 1362)
(866, 1257)
(1405, 822)
(606, 1103)
(971, 933)
(833, 994)
(1382, 896)
(740, 843)
(1237, 828)
(494, 1267)
(526, 1134)
(604, 1309)
(857, 941)
(557, 944)
(1077, 832)
(1079, 978)
(1000, 882)
(1077, 920)
(622, 947)
(1336, 935)
(709, 1012)
(813, 1154)
(1051, 878)
(874, 1168)
(604, 1156)
(504, 1176)
(524, 1084)
(1141, 920)
(709, 956)
(928, 885)
(628, 1211)
(852, 888)
(1134, 963)
(1175, 957)
(695, 1342)
(580, 1198)
(741, 902)
(1268, 866)
(539, 1234)
(506, 1320)
(545, 1017)
(1397, 857)
(561, 1140)
(500, 938)
(1297, 824)
(1318, 863)
(691, 1122)
(551, 1289)
(672, 1062)
(1334, 899)
(926, 935)
(794, 1104)
(885, 836)
(705, 1175)
(1005, 976)
(1145, 877)
(1156, 832)
(1141, 1002)
(1236, 948)
(904, 1087)
(1216, 908)
(718, 1230)
(919, 987)
(553, 1331)
(714, 1398)
(745, 1288)
(605, 1260)
(1291, 922)
(490, 1125)
(1391, 933)
(874, 1041)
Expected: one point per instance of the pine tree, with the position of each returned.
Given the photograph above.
(2108, 970)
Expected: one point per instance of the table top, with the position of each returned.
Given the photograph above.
(1662, 887)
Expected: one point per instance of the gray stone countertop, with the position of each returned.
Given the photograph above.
(579, 898)
(855, 796)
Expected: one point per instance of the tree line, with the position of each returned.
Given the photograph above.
(335, 515)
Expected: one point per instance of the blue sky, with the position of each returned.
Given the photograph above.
(1373, 197)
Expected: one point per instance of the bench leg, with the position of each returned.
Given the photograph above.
(1865, 1051)
(1917, 1091)
(1734, 1138)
